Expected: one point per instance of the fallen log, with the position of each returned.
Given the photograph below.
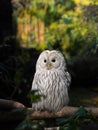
(12, 113)
(12, 110)
(22, 113)
(64, 112)
(9, 104)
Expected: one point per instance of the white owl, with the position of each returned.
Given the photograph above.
(52, 80)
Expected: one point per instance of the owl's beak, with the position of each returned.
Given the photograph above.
(49, 66)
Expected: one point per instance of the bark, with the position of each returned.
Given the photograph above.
(12, 110)
(9, 104)
(65, 112)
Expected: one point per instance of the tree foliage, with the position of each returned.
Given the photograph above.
(80, 117)
(66, 25)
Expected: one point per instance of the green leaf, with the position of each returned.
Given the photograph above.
(28, 124)
(80, 117)
(35, 96)
(67, 20)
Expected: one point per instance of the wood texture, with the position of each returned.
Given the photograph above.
(65, 112)
(9, 104)
(12, 111)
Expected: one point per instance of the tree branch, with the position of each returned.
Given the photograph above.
(16, 111)
(65, 112)
(9, 104)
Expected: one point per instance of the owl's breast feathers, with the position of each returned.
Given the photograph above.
(48, 80)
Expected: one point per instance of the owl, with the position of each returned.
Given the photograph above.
(52, 80)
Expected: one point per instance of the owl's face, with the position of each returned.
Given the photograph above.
(49, 60)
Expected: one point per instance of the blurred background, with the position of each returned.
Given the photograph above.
(28, 27)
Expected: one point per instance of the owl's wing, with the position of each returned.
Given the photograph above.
(35, 85)
(68, 77)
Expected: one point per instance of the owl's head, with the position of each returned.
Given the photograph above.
(51, 60)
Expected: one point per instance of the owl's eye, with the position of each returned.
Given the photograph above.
(45, 60)
(53, 60)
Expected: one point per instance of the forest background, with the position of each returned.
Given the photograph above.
(31, 26)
